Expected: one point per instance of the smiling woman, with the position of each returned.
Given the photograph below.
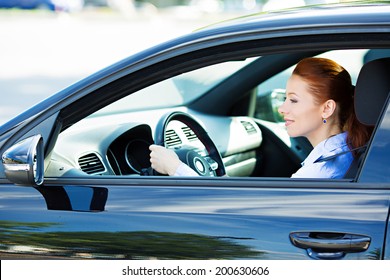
(319, 106)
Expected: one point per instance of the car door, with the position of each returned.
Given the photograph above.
(196, 219)
(200, 218)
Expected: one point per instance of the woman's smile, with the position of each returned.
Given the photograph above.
(288, 122)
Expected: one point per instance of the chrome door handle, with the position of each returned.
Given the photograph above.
(330, 245)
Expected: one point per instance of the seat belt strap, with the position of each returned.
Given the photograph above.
(323, 159)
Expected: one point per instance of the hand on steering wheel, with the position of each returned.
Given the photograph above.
(164, 161)
(205, 165)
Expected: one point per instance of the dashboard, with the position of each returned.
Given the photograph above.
(119, 144)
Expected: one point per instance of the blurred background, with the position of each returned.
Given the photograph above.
(47, 45)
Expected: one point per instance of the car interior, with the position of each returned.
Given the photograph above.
(225, 115)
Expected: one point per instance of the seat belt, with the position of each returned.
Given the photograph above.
(323, 159)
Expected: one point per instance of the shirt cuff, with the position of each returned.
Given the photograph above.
(185, 170)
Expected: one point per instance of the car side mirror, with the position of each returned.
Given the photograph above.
(24, 162)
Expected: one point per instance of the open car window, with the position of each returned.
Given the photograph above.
(115, 140)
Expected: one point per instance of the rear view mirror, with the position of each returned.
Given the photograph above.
(24, 162)
(267, 105)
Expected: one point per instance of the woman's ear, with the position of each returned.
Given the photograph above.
(329, 107)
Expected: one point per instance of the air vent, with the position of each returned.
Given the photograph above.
(250, 129)
(191, 136)
(171, 138)
(91, 164)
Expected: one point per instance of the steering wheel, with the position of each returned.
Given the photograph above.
(210, 164)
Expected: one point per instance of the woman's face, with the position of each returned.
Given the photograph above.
(302, 115)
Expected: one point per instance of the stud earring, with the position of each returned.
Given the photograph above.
(324, 120)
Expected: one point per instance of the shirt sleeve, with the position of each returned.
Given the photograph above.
(333, 169)
(185, 170)
(315, 170)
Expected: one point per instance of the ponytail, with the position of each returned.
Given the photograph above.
(358, 133)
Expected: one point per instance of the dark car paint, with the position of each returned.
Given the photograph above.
(224, 218)
(152, 220)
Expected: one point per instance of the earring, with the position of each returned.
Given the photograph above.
(324, 121)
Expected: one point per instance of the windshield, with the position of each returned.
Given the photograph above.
(176, 91)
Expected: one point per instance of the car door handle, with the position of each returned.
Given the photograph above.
(330, 245)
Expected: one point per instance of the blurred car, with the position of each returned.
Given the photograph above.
(76, 182)
(53, 5)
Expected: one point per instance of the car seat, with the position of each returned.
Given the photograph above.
(371, 94)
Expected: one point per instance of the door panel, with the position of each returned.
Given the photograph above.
(191, 222)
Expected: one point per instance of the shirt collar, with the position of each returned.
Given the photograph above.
(328, 147)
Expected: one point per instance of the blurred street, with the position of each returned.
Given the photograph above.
(42, 52)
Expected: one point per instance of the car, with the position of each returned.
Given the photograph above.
(52, 5)
(76, 181)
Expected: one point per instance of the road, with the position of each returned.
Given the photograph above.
(42, 52)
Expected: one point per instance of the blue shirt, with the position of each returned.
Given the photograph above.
(334, 168)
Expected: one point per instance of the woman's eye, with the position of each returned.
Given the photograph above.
(293, 100)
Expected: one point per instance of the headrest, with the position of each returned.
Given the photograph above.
(372, 89)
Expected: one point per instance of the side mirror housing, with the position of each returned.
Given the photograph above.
(24, 162)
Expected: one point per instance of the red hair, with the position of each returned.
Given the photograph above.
(329, 80)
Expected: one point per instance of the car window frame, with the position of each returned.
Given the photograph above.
(70, 111)
(375, 166)
(272, 179)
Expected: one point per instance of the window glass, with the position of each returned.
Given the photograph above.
(177, 91)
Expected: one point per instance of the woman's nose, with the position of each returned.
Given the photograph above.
(281, 108)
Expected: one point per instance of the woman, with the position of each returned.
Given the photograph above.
(319, 106)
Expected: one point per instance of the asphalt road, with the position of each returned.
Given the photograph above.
(42, 52)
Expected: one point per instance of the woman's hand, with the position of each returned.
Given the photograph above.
(163, 160)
